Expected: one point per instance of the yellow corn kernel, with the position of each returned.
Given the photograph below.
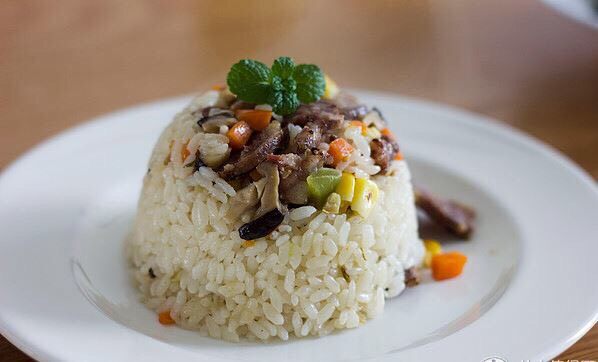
(346, 187)
(248, 243)
(344, 207)
(433, 247)
(364, 197)
(331, 89)
(333, 204)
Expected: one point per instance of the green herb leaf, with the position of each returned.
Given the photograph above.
(310, 82)
(284, 87)
(283, 96)
(284, 102)
(283, 67)
(250, 81)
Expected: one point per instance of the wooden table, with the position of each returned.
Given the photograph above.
(516, 60)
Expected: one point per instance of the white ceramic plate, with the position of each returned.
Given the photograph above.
(528, 290)
(578, 10)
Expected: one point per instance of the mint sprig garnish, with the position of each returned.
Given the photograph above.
(284, 87)
(310, 82)
(251, 79)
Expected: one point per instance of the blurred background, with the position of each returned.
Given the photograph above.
(520, 61)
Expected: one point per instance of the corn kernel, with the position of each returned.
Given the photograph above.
(344, 207)
(248, 243)
(364, 197)
(433, 247)
(346, 187)
(333, 204)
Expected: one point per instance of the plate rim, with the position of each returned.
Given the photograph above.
(462, 115)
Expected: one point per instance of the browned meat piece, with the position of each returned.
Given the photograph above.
(349, 106)
(320, 121)
(411, 277)
(355, 112)
(325, 114)
(382, 152)
(263, 144)
(455, 217)
(310, 163)
(309, 138)
(294, 172)
(325, 156)
(287, 163)
(393, 143)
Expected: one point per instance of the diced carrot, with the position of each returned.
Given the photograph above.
(218, 87)
(364, 128)
(447, 265)
(340, 149)
(388, 133)
(257, 119)
(399, 156)
(185, 152)
(165, 319)
(248, 243)
(238, 135)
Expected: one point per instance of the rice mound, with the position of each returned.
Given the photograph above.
(316, 273)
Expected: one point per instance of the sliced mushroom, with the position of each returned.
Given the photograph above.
(197, 163)
(269, 215)
(297, 193)
(209, 113)
(239, 104)
(213, 149)
(213, 124)
(245, 199)
(375, 117)
(270, 199)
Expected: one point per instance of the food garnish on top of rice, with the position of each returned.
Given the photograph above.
(277, 206)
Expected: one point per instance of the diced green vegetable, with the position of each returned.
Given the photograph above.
(325, 171)
(365, 197)
(333, 203)
(322, 183)
(373, 132)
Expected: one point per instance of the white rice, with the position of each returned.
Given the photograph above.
(316, 273)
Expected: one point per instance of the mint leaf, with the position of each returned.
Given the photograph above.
(284, 87)
(283, 96)
(250, 81)
(284, 102)
(283, 67)
(310, 82)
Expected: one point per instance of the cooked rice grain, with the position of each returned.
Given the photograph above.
(316, 273)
